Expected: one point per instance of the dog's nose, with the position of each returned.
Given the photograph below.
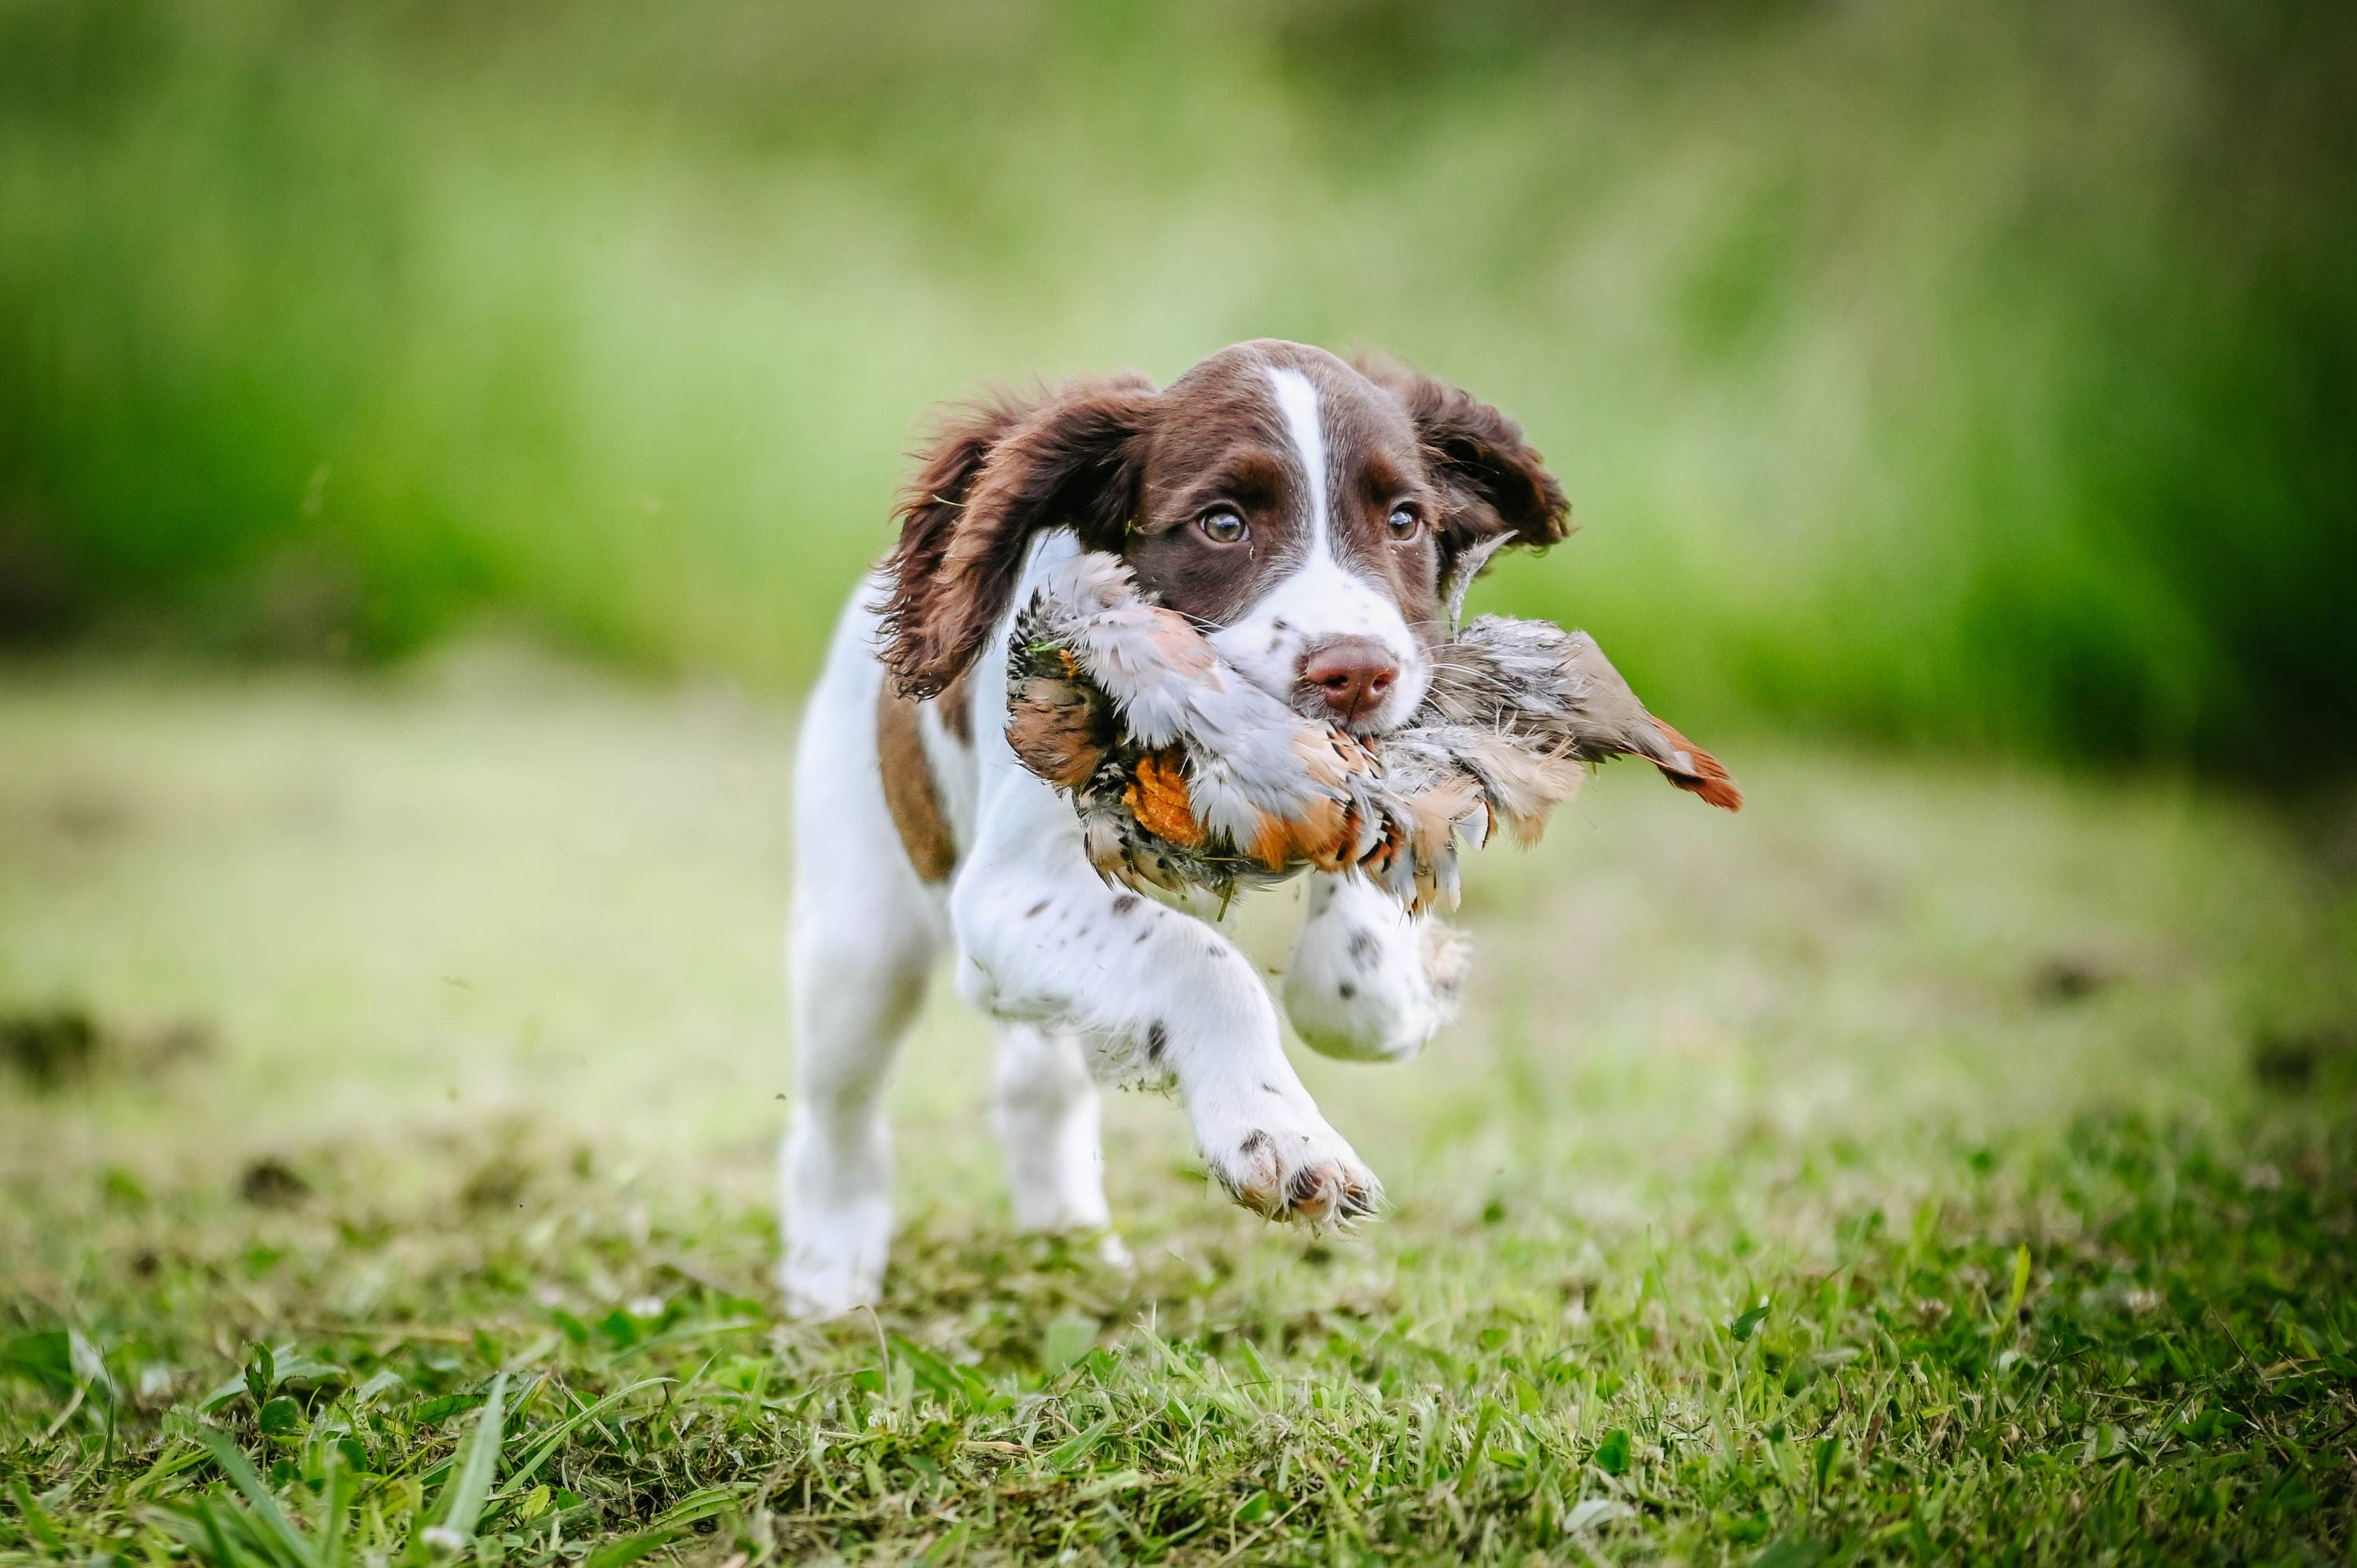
(1351, 675)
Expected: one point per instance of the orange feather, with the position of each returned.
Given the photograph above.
(1708, 779)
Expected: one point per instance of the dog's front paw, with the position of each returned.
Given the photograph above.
(1283, 1168)
(834, 1264)
(818, 1289)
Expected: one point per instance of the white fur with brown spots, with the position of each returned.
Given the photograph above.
(1308, 513)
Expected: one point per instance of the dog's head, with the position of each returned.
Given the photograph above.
(1308, 513)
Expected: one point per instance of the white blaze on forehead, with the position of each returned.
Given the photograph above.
(1315, 597)
(1298, 401)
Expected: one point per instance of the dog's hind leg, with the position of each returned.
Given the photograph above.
(1046, 1113)
(863, 935)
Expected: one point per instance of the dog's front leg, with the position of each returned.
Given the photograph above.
(1369, 982)
(1159, 996)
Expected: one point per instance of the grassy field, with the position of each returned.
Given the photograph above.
(1926, 1164)
(1947, 1159)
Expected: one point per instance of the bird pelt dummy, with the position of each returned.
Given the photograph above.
(1186, 776)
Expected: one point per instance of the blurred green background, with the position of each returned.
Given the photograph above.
(1974, 375)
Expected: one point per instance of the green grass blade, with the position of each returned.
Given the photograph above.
(37, 1524)
(696, 1506)
(225, 1552)
(1480, 1437)
(630, 1549)
(1069, 1451)
(335, 1505)
(283, 1542)
(460, 1502)
(169, 1462)
(542, 1450)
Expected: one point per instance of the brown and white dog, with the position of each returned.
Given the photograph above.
(1308, 513)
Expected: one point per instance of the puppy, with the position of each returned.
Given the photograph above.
(1307, 513)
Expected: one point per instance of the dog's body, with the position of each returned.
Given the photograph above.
(1307, 514)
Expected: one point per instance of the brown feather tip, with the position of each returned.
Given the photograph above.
(1704, 776)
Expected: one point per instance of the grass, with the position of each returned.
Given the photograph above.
(1920, 1166)
(1950, 373)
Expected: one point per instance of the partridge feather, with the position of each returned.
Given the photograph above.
(1186, 775)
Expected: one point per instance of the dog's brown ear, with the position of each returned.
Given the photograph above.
(995, 474)
(1500, 489)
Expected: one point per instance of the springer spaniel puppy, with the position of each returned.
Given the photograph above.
(1310, 514)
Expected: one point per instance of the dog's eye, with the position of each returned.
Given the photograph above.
(1403, 523)
(1222, 527)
